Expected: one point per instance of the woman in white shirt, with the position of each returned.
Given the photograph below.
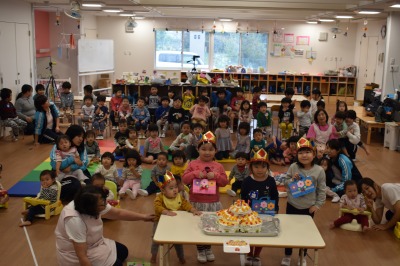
(385, 196)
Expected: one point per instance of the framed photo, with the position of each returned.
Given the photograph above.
(303, 40)
(288, 38)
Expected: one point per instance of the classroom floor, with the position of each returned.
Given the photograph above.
(342, 247)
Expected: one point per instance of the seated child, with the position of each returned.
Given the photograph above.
(158, 170)
(107, 167)
(191, 149)
(141, 117)
(320, 105)
(88, 91)
(326, 164)
(87, 113)
(153, 101)
(100, 116)
(176, 115)
(219, 95)
(256, 100)
(305, 118)
(264, 120)
(341, 129)
(171, 96)
(8, 114)
(255, 187)
(40, 90)
(351, 200)
(290, 154)
(165, 203)
(243, 139)
(63, 151)
(92, 147)
(235, 103)
(353, 134)
(188, 100)
(3, 193)
(289, 92)
(179, 163)
(204, 92)
(115, 103)
(275, 151)
(220, 110)
(66, 97)
(98, 180)
(125, 110)
(240, 171)
(315, 97)
(245, 113)
(182, 140)
(200, 112)
(162, 116)
(120, 138)
(48, 191)
(224, 141)
(152, 146)
(132, 142)
(286, 118)
(131, 174)
(258, 142)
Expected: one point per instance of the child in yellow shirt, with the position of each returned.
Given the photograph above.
(179, 163)
(168, 201)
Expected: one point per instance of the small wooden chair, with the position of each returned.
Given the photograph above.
(50, 209)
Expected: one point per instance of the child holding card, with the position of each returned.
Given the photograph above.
(254, 189)
(305, 184)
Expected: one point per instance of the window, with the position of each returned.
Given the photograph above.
(178, 49)
(247, 49)
(169, 49)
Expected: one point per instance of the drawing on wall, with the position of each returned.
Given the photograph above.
(298, 52)
(303, 40)
(278, 36)
(288, 50)
(277, 49)
(311, 55)
(288, 38)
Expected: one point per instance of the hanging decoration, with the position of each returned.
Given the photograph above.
(58, 17)
(365, 28)
(72, 42)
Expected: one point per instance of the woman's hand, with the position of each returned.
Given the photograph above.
(28, 119)
(149, 217)
(378, 227)
(369, 203)
(196, 212)
(78, 161)
(57, 129)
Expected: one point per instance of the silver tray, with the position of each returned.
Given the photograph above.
(270, 226)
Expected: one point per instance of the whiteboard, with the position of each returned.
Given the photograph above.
(95, 55)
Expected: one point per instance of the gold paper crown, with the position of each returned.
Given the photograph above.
(304, 143)
(208, 137)
(260, 156)
(163, 180)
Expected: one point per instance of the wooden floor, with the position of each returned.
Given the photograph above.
(342, 247)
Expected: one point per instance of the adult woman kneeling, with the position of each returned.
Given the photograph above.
(79, 231)
(385, 196)
(46, 121)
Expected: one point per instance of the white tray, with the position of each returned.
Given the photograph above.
(269, 228)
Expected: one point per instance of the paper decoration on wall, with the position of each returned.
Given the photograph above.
(278, 36)
(311, 55)
(288, 38)
(288, 50)
(277, 50)
(298, 52)
(323, 36)
(303, 40)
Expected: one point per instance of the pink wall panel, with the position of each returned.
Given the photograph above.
(42, 32)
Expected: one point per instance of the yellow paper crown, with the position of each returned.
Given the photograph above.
(208, 137)
(260, 156)
(163, 180)
(304, 143)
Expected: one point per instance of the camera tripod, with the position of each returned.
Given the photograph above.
(51, 86)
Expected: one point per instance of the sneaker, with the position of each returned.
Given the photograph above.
(336, 199)
(231, 130)
(231, 193)
(100, 137)
(286, 261)
(249, 261)
(162, 135)
(256, 261)
(130, 194)
(143, 192)
(14, 138)
(201, 256)
(304, 262)
(210, 255)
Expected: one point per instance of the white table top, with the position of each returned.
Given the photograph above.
(278, 97)
(297, 231)
(80, 98)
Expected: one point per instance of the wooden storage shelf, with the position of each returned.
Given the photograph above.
(332, 87)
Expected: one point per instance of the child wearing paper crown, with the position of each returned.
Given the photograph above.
(307, 203)
(206, 176)
(168, 201)
(255, 187)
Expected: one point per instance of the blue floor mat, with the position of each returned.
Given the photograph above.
(24, 189)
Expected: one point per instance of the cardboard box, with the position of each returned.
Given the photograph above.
(104, 83)
(104, 76)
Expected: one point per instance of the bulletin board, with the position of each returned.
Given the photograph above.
(95, 56)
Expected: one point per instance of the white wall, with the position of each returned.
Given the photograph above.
(392, 52)
(142, 44)
(88, 31)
